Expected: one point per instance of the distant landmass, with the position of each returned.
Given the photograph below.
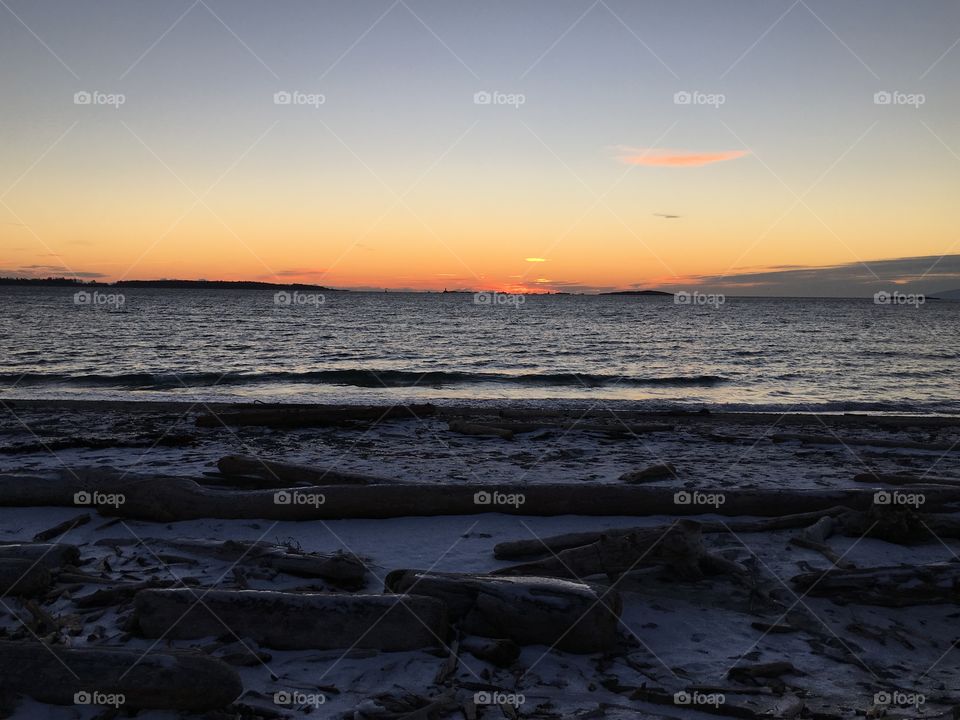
(177, 284)
(947, 295)
(639, 292)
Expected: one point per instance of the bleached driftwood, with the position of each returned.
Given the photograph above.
(516, 549)
(678, 546)
(574, 616)
(468, 428)
(23, 577)
(891, 586)
(815, 439)
(654, 472)
(155, 680)
(339, 567)
(283, 474)
(48, 555)
(183, 499)
(299, 416)
(294, 621)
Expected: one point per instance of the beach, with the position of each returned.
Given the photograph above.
(744, 631)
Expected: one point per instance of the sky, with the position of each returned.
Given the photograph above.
(795, 147)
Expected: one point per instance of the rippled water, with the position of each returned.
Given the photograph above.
(826, 354)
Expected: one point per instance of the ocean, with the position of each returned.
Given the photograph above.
(761, 354)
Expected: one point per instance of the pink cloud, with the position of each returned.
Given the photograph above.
(659, 157)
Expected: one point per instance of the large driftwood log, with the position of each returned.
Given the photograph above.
(175, 499)
(339, 567)
(887, 479)
(516, 549)
(893, 586)
(573, 616)
(294, 621)
(678, 546)
(157, 680)
(282, 474)
(815, 439)
(22, 577)
(299, 416)
(49, 555)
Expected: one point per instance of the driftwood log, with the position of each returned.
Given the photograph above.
(339, 567)
(175, 499)
(23, 577)
(49, 555)
(815, 439)
(893, 586)
(654, 472)
(294, 621)
(282, 474)
(516, 549)
(157, 680)
(573, 616)
(678, 546)
(313, 416)
(888, 479)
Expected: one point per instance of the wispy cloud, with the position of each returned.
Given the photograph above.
(663, 157)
